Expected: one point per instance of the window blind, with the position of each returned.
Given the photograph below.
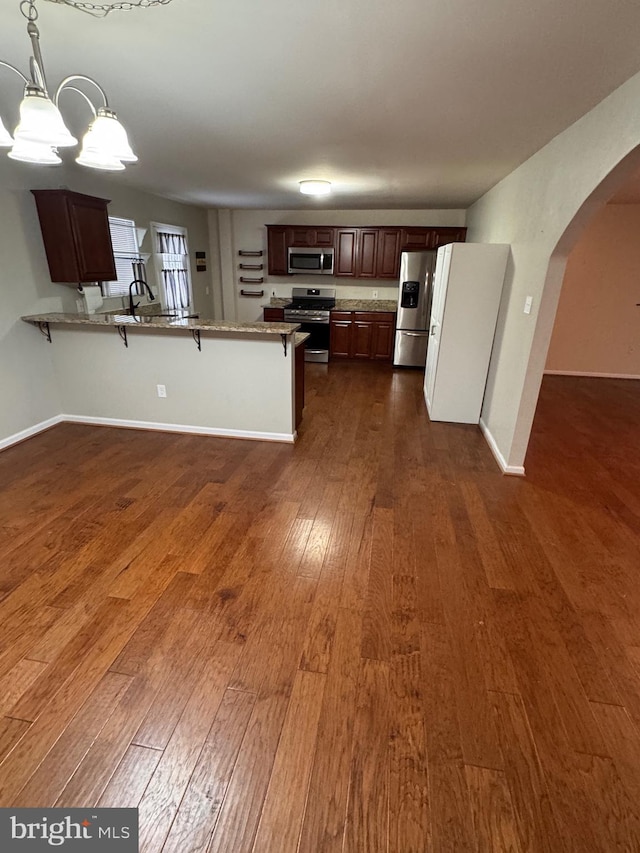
(126, 252)
(172, 250)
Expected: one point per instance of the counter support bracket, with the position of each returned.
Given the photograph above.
(122, 331)
(45, 330)
(196, 338)
(284, 344)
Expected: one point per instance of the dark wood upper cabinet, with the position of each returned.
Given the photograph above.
(360, 253)
(442, 236)
(366, 266)
(388, 253)
(277, 249)
(309, 237)
(417, 238)
(345, 256)
(76, 235)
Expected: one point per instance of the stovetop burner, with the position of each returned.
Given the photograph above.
(310, 305)
(312, 299)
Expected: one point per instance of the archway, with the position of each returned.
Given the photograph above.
(539, 209)
(555, 277)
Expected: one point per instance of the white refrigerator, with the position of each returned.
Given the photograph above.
(466, 297)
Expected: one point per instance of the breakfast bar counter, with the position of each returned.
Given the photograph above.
(143, 371)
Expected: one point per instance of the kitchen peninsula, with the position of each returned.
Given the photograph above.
(219, 378)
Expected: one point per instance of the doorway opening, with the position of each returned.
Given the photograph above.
(589, 400)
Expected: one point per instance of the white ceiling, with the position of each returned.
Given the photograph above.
(405, 104)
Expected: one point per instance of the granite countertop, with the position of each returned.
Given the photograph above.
(151, 321)
(366, 305)
(301, 337)
(345, 304)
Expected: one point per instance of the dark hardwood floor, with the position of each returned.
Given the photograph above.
(371, 641)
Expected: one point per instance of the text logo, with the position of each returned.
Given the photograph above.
(73, 830)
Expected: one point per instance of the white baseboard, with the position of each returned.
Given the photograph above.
(593, 375)
(513, 470)
(17, 437)
(288, 438)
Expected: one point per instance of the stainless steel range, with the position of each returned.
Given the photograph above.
(311, 307)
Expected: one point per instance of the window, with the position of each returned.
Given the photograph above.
(172, 263)
(126, 253)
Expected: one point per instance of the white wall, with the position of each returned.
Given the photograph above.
(234, 385)
(28, 392)
(540, 209)
(232, 230)
(597, 326)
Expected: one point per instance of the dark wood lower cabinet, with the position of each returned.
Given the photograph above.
(382, 347)
(362, 335)
(273, 315)
(340, 338)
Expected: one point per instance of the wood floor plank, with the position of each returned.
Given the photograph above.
(238, 821)
(533, 815)
(164, 792)
(128, 783)
(422, 654)
(46, 784)
(200, 807)
(376, 629)
(284, 804)
(368, 808)
(11, 732)
(492, 811)
(316, 653)
(17, 681)
(325, 816)
(409, 805)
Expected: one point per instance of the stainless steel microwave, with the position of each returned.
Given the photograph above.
(310, 261)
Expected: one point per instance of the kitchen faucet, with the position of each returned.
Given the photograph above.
(132, 305)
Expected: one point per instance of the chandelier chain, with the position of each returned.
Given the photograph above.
(28, 9)
(100, 10)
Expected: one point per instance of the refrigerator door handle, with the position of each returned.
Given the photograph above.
(413, 334)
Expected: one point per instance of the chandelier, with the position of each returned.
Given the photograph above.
(41, 130)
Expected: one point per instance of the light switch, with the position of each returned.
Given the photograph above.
(527, 304)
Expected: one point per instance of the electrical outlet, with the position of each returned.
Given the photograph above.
(375, 294)
(162, 390)
(527, 304)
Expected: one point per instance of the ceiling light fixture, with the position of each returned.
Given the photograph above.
(41, 129)
(315, 187)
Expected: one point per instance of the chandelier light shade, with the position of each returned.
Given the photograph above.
(41, 121)
(5, 137)
(107, 135)
(34, 152)
(41, 129)
(315, 187)
(96, 160)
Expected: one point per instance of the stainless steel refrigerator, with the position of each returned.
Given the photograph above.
(414, 308)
